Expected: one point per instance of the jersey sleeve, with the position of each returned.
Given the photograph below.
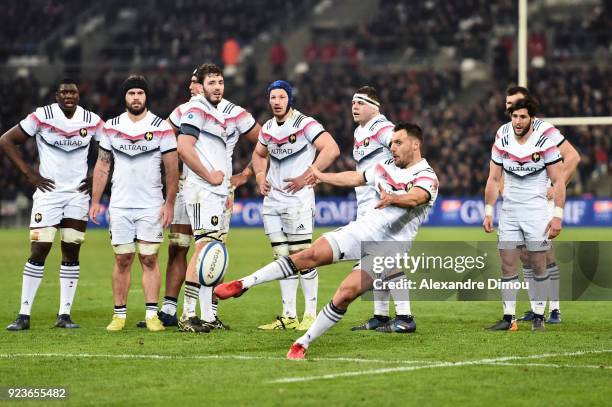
(553, 134)
(369, 175)
(385, 136)
(175, 117)
(104, 139)
(496, 156)
(261, 138)
(426, 182)
(245, 122)
(313, 130)
(192, 122)
(552, 155)
(30, 125)
(99, 130)
(167, 142)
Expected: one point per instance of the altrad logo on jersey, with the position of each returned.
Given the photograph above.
(68, 143)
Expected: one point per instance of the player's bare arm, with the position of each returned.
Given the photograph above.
(260, 164)
(328, 153)
(243, 176)
(415, 197)
(8, 143)
(100, 178)
(170, 160)
(339, 179)
(556, 174)
(187, 153)
(491, 194)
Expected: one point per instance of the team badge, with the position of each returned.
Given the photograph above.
(292, 138)
(535, 157)
(409, 186)
(148, 136)
(214, 220)
(366, 142)
(83, 132)
(38, 217)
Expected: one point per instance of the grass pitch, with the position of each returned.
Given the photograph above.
(450, 360)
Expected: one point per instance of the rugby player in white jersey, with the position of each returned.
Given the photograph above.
(63, 133)
(202, 141)
(529, 160)
(407, 189)
(291, 139)
(571, 158)
(138, 142)
(240, 124)
(372, 142)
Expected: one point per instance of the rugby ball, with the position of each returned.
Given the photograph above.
(211, 264)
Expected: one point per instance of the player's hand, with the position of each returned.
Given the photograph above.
(386, 198)
(487, 224)
(263, 186)
(553, 228)
(216, 177)
(94, 211)
(296, 183)
(238, 180)
(166, 214)
(85, 186)
(40, 182)
(313, 176)
(549, 193)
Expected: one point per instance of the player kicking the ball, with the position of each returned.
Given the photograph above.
(407, 189)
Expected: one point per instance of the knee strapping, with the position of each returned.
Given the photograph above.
(125, 248)
(43, 235)
(179, 239)
(70, 235)
(279, 244)
(147, 249)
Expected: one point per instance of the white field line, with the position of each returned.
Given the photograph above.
(201, 357)
(552, 365)
(434, 365)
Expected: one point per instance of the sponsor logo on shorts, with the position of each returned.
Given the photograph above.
(38, 217)
(301, 227)
(214, 220)
(83, 132)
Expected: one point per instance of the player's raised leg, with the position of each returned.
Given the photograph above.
(319, 254)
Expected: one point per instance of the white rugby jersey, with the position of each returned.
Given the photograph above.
(371, 145)
(291, 150)
(137, 149)
(238, 122)
(526, 180)
(175, 119)
(539, 127)
(401, 222)
(62, 143)
(203, 121)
